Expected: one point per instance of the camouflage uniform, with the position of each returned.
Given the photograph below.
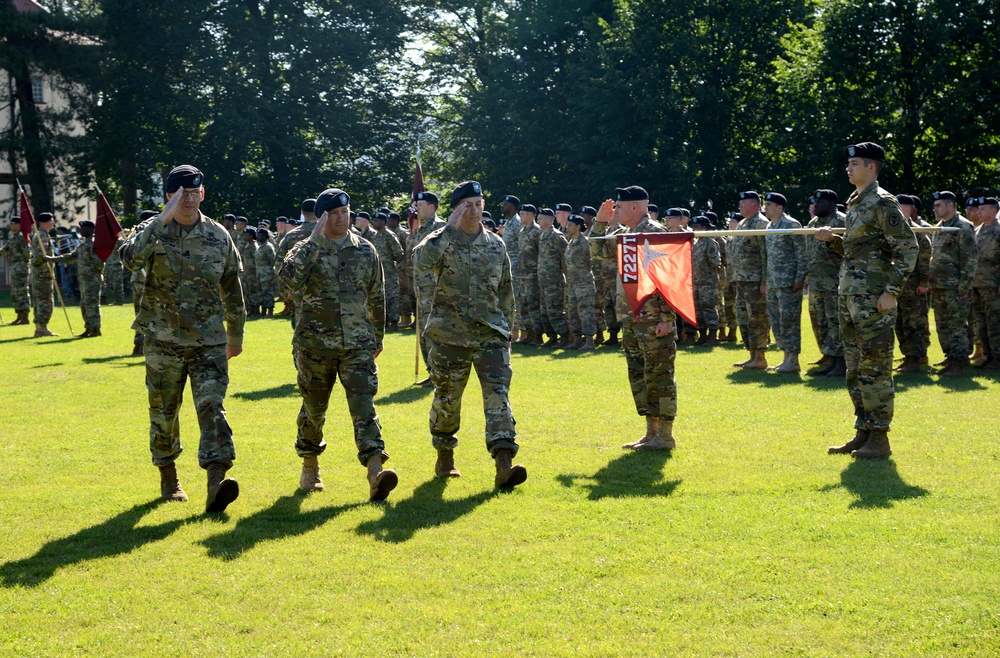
(251, 289)
(89, 269)
(406, 302)
(340, 327)
(42, 278)
(729, 305)
(823, 264)
(986, 288)
(580, 287)
(289, 240)
(749, 272)
(705, 264)
(192, 283)
(953, 266)
(786, 269)
(18, 255)
(138, 281)
(723, 306)
(114, 276)
(469, 326)
(649, 358)
(912, 323)
(551, 282)
(423, 282)
(879, 253)
(390, 252)
(264, 259)
(529, 311)
(511, 237)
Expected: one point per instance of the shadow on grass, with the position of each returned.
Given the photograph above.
(426, 508)
(876, 484)
(108, 359)
(47, 365)
(405, 395)
(633, 475)
(767, 379)
(283, 391)
(17, 340)
(284, 518)
(116, 536)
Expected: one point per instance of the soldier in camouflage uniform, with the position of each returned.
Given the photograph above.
(192, 283)
(604, 305)
(706, 262)
(953, 267)
(786, 276)
(721, 302)
(912, 324)
(529, 312)
(42, 274)
(879, 253)
(251, 288)
(823, 265)
(731, 319)
(138, 281)
(264, 259)
(289, 240)
(404, 269)
(114, 277)
(469, 327)
(986, 285)
(390, 252)
(551, 282)
(18, 254)
(424, 282)
(511, 235)
(580, 286)
(649, 338)
(750, 272)
(338, 278)
(89, 269)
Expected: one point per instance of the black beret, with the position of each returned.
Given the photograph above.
(548, 212)
(241, 218)
(61, 230)
(353, 215)
(631, 193)
(331, 199)
(576, 219)
(146, 214)
(384, 216)
(264, 222)
(510, 198)
(86, 223)
(309, 205)
(15, 220)
(466, 190)
(827, 195)
(736, 216)
(263, 233)
(988, 201)
(183, 176)
(564, 207)
(364, 215)
(842, 208)
(972, 202)
(588, 210)
(529, 208)
(685, 212)
(749, 195)
(711, 215)
(385, 211)
(654, 208)
(945, 196)
(250, 231)
(429, 197)
(775, 197)
(395, 215)
(45, 217)
(866, 150)
(904, 200)
(487, 214)
(294, 222)
(489, 222)
(281, 220)
(231, 217)
(701, 220)
(674, 212)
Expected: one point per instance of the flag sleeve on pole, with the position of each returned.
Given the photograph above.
(107, 229)
(653, 263)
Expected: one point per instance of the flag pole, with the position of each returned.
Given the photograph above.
(416, 331)
(780, 231)
(52, 271)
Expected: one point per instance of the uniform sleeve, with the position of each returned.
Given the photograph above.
(799, 245)
(714, 257)
(376, 299)
(506, 292)
(428, 254)
(761, 243)
(902, 243)
(923, 267)
(294, 269)
(137, 250)
(602, 249)
(968, 258)
(395, 248)
(5, 249)
(71, 257)
(232, 297)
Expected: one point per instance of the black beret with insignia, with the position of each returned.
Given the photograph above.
(564, 207)
(529, 208)
(775, 197)
(702, 220)
(685, 212)
(578, 220)
(711, 215)
(183, 176)
(241, 220)
(654, 208)
(331, 199)
(513, 200)
(263, 234)
(674, 212)
(826, 195)
(15, 220)
(487, 215)
(548, 212)
(309, 205)
(988, 201)
(86, 223)
(631, 193)
(866, 150)
(466, 190)
(45, 217)
(263, 222)
(281, 220)
(588, 210)
(904, 200)
(385, 211)
(486, 221)
(364, 215)
(972, 202)
(250, 231)
(229, 216)
(429, 197)
(749, 195)
(945, 195)
(395, 215)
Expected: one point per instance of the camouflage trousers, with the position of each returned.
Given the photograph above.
(268, 289)
(582, 321)
(450, 369)
(755, 325)
(406, 300)
(90, 303)
(251, 291)
(706, 306)
(784, 307)
(912, 323)
(136, 302)
(168, 367)
(728, 315)
(553, 307)
(951, 319)
(868, 343)
(986, 302)
(529, 311)
(317, 373)
(113, 281)
(20, 297)
(825, 316)
(392, 298)
(650, 363)
(425, 302)
(42, 292)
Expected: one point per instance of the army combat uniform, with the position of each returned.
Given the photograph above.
(18, 255)
(823, 265)
(581, 291)
(552, 285)
(986, 291)
(511, 239)
(264, 259)
(289, 240)
(423, 282)
(912, 322)
(786, 275)
(390, 252)
(251, 288)
(529, 311)
(706, 261)
(749, 272)
(114, 277)
(42, 277)
(953, 267)
(89, 269)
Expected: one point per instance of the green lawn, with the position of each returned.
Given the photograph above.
(748, 540)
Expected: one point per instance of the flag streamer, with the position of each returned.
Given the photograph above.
(657, 262)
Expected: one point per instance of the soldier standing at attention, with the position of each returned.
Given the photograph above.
(786, 276)
(512, 230)
(823, 263)
(424, 282)
(733, 312)
(192, 283)
(264, 259)
(551, 282)
(405, 268)
(750, 273)
(89, 269)
(912, 324)
(251, 290)
(114, 276)
(469, 327)
(290, 239)
(986, 285)
(42, 277)
(529, 312)
(18, 254)
(879, 253)
(338, 277)
(390, 252)
(953, 267)
(706, 262)
(648, 339)
(580, 287)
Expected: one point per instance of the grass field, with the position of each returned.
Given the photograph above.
(748, 540)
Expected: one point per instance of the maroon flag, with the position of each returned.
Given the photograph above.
(107, 230)
(658, 262)
(418, 186)
(27, 219)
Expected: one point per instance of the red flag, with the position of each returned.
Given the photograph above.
(658, 262)
(27, 219)
(107, 230)
(418, 186)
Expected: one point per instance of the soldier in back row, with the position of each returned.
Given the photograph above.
(390, 252)
(42, 274)
(784, 281)
(749, 272)
(551, 282)
(89, 268)
(823, 265)
(581, 289)
(986, 284)
(18, 256)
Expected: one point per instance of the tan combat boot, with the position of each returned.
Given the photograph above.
(445, 465)
(599, 340)
(663, 439)
(170, 487)
(652, 428)
(380, 482)
(859, 440)
(838, 369)
(508, 476)
(757, 362)
(790, 365)
(588, 344)
(823, 361)
(909, 364)
(309, 479)
(956, 368)
(22, 318)
(42, 330)
(877, 446)
(536, 339)
(577, 343)
(221, 490)
(979, 355)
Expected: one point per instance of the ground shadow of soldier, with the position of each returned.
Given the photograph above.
(766, 379)
(284, 518)
(876, 484)
(405, 395)
(283, 391)
(426, 508)
(636, 474)
(108, 359)
(116, 536)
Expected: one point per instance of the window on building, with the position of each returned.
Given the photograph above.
(37, 91)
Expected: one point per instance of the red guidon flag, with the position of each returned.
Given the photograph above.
(107, 229)
(418, 186)
(27, 219)
(658, 262)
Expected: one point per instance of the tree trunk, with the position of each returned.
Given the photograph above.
(34, 156)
